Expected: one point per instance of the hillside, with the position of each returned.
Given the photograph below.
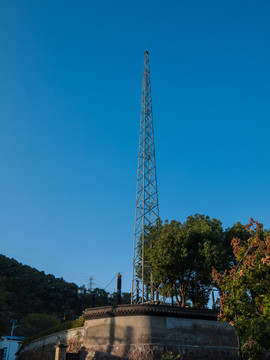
(31, 296)
(39, 301)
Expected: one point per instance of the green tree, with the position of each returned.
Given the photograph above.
(35, 323)
(182, 257)
(245, 290)
(2, 326)
(239, 231)
(126, 298)
(96, 297)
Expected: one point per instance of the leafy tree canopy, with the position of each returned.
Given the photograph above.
(181, 257)
(35, 323)
(245, 289)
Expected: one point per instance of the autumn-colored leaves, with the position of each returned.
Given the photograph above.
(245, 289)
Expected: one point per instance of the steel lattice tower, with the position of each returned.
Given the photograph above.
(147, 212)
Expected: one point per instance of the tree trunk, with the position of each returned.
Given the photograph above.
(183, 295)
(176, 296)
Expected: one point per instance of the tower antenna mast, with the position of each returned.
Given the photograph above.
(147, 212)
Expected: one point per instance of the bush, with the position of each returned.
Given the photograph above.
(170, 356)
(78, 322)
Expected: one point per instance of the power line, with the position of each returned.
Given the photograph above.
(110, 281)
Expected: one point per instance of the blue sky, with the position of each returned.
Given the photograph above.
(70, 94)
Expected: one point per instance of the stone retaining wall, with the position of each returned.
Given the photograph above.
(140, 332)
(45, 348)
(145, 332)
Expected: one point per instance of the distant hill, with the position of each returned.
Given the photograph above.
(39, 301)
(25, 290)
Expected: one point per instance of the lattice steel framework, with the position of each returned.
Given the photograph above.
(147, 211)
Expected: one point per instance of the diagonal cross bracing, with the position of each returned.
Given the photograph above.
(147, 211)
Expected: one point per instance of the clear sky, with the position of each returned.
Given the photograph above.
(70, 94)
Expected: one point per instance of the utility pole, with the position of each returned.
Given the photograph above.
(119, 287)
(147, 212)
(78, 311)
(14, 326)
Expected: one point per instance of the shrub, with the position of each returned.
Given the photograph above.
(170, 356)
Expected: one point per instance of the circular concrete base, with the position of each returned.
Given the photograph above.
(147, 331)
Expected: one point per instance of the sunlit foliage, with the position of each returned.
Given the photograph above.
(245, 289)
